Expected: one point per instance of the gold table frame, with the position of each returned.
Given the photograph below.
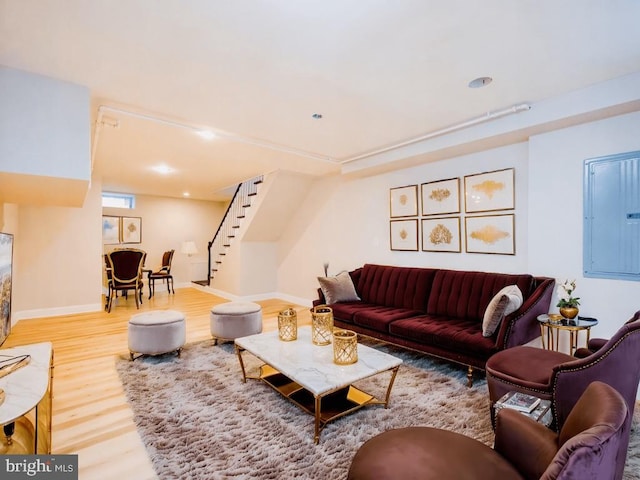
(338, 402)
(549, 327)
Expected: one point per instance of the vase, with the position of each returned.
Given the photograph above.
(569, 312)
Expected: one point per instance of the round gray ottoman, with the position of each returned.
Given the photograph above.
(235, 319)
(156, 332)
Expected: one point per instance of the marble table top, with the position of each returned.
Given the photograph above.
(25, 387)
(312, 366)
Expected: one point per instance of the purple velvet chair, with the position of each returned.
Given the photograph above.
(589, 446)
(562, 378)
(596, 344)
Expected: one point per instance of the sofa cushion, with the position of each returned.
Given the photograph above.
(338, 289)
(378, 317)
(390, 286)
(346, 310)
(506, 301)
(456, 334)
(460, 294)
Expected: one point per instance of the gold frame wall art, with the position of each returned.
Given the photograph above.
(403, 201)
(491, 234)
(441, 197)
(131, 230)
(441, 235)
(403, 235)
(489, 191)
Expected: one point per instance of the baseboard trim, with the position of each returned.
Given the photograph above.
(55, 312)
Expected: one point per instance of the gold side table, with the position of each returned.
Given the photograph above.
(551, 324)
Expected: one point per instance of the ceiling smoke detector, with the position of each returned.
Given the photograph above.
(316, 116)
(480, 82)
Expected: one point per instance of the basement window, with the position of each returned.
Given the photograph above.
(118, 200)
(612, 217)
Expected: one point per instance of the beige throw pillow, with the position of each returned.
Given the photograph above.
(506, 301)
(338, 289)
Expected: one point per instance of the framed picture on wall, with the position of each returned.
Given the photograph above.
(489, 191)
(491, 234)
(441, 234)
(404, 235)
(131, 230)
(110, 230)
(404, 201)
(6, 266)
(441, 197)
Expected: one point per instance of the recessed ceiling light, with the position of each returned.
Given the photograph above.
(163, 169)
(316, 116)
(186, 194)
(206, 134)
(480, 82)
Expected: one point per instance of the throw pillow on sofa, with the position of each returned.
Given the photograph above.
(338, 289)
(506, 301)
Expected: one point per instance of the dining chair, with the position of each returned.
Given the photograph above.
(163, 273)
(125, 268)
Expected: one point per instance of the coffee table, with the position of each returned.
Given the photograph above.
(305, 374)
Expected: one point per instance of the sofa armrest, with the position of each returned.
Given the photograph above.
(522, 326)
(528, 445)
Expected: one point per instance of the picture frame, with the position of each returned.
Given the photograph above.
(441, 197)
(111, 229)
(441, 235)
(403, 235)
(6, 284)
(489, 191)
(403, 201)
(491, 234)
(131, 230)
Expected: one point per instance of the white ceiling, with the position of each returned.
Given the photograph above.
(255, 71)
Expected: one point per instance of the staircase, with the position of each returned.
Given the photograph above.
(230, 226)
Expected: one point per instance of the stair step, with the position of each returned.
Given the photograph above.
(257, 182)
(252, 194)
(240, 216)
(231, 236)
(235, 226)
(246, 206)
(226, 245)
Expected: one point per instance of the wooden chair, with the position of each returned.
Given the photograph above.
(163, 273)
(125, 267)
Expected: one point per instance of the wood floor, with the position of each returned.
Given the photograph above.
(91, 417)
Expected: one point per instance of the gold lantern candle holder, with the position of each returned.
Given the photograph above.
(321, 325)
(288, 325)
(345, 347)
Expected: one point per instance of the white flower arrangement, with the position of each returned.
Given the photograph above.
(564, 293)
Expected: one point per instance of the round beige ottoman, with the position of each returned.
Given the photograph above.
(156, 332)
(235, 319)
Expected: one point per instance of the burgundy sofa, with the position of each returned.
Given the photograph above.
(439, 311)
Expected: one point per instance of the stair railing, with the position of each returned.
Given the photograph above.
(230, 224)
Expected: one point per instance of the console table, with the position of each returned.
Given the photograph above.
(25, 412)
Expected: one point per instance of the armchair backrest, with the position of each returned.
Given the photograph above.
(167, 257)
(126, 265)
(592, 440)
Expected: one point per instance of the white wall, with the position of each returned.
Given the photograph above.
(346, 223)
(166, 223)
(58, 264)
(555, 218)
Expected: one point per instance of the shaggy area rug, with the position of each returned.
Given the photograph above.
(199, 421)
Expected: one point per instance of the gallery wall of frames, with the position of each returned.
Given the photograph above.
(430, 216)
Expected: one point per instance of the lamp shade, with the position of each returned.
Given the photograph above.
(189, 248)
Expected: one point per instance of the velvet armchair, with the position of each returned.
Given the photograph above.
(562, 378)
(589, 446)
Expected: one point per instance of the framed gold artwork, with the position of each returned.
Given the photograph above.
(404, 235)
(491, 234)
(404, 201)
(441, 197)
(489, 191)
(441, 234)
(131, 230)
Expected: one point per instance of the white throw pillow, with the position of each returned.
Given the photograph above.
(338, 289)
(506, 301)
